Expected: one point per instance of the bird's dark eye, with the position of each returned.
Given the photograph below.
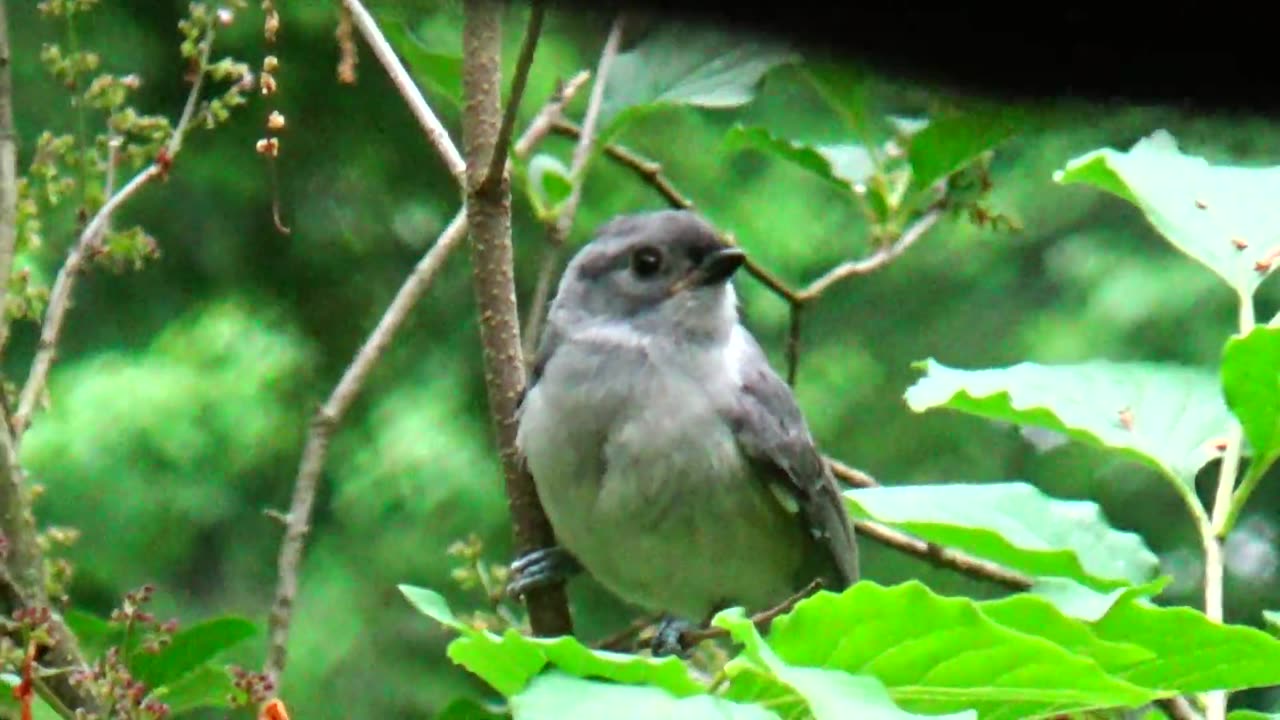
(646, 262)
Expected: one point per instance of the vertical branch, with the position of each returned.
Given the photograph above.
(8, 177)
(558, 231)
(1214, 533)
(489, 217)
(498, 162)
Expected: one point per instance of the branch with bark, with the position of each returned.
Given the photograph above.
(330, 414)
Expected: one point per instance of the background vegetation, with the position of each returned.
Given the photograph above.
(182, 391)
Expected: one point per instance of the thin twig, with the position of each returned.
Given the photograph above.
(559, 228)
(761, 620)
(851, 475)
(942, 557)
(885, 255)
(543, 122)
(63, 284)
(1177, 708)
(323, 424)
(621, 640)
(492, 260)
(329, 415)
(431, 124)
(650, 170)
(498, 163)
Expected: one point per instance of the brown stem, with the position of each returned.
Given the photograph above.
(323, 424)
(558, 229)
(942, 557)
(793, 343)
(761, 620)
(498, 163)
(8, 178)
(489, 217)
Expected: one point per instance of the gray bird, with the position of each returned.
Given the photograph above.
(672, 461)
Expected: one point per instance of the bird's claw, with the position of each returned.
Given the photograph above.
(667, 638)
(540, 568)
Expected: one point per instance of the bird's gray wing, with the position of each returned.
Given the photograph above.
(772, 433)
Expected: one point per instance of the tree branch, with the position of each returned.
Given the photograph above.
(8, 178)
(330, 414)
(60, 295)
(323, 424)
(489, 217)
(435, 131)
(498, 163)
(558, 230)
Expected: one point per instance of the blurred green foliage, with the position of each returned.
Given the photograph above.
(182, 392)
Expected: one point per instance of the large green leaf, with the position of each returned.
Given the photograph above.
(682, 65)
(1174, 649)
(1016, 525)
(842, 165)
(950, 142)
(509, 661)
(939, 655)
(1192, 653)
(804, 691)
(1252, 715)
(190, 649)
(1251, 383)
(1206, 211)
(554, 695)
(1078, 601)
(208, 686)
(1165, 416)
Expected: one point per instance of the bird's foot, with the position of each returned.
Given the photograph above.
(667, 638)
(540, 568)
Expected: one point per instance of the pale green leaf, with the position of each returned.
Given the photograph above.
(1165, 416)
(825, 694)
(1202, 209)
(682, 65)
(1272, 620)
(1016, 525)
(844, 166)
(509, 661)
(1084, 603)
(940, 655)
(550, 182)
(554, 696)
(1251, 383)
(950, 142)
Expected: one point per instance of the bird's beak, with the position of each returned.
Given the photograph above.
(719, 266)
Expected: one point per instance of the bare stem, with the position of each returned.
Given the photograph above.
(498, 163)
(323, 424)
(431, 124)
(489, 218)
(558, 230)
(1213, 534)
(885, 255)
(761, 620)
(63, 284)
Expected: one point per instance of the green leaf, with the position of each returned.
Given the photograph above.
(950, 142)
(1016, 525)
(848, 91)
(190, 649)
(1077, 601)
(841, 165)
(825, 694)
(1251, 715)
(680, 65)
(1251, 384)
(94, 633)
(939, 655)
(1201, 209)
(1165, 416)
(439, 73)
(554, 696)
(550, 183)
(208, 686)
(1168, 649)
(1272, 620)
(509, 661)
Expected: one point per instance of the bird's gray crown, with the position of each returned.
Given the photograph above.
(663, 271)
